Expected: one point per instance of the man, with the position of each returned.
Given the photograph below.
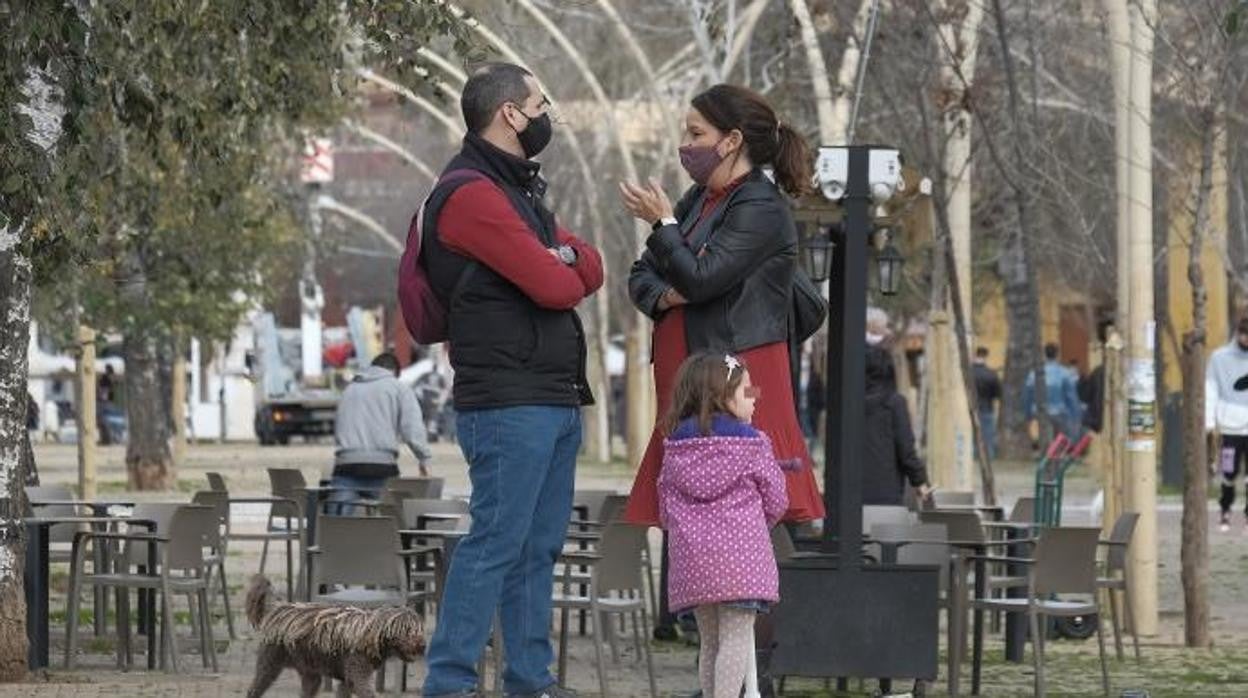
(1226, 412)
(509, 278)
(376, 412)
(1061, 395)
(987, 395)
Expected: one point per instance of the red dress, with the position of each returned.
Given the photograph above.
(774, 414)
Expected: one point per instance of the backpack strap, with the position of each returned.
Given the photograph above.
(456, 178)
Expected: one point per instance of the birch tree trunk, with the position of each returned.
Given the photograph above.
(15, 276)
(821, 84)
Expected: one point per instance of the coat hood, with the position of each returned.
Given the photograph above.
(373, 373)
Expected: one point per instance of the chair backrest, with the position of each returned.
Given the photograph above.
(191, 529)
(612, 508)
(216, 482)
(220, 503)
(962, 526)
(413, 509)
(928, 545)
(620, 566)
(1120, 535)
(358, 551)
(1066, 560)
(876, 514)
(592, 500)
(47, 493)
(417, 487)
(287, 483)
(1024, 510)
(953, 498)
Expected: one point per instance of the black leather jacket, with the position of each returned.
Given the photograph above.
(735, 268)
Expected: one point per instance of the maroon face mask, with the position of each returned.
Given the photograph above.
(700, 161)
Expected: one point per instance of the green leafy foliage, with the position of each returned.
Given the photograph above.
(182, 122)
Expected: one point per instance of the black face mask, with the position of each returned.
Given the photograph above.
(536, 136)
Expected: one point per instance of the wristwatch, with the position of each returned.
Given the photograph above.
(669, 220)
(567, 254)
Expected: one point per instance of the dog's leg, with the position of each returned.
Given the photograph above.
(357, 675)
(268, 668)
(310, 685)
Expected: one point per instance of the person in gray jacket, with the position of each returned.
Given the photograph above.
(374, 414)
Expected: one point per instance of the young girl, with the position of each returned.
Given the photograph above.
(720, 492)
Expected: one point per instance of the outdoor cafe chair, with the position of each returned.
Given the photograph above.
(182, 569)
(1063, 562)
(285, 522)
(953, 498)
(615, 588)
(220, 503)
(1115, 577)
(928, 544)
(417, 487)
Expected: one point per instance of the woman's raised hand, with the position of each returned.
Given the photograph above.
(647, 202)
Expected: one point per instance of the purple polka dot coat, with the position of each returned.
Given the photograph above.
(719, 496)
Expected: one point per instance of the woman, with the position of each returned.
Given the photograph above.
(717, 274)
(891, 459)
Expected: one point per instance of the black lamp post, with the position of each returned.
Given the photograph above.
(838, 617)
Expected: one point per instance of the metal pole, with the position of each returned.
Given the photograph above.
(846, 368)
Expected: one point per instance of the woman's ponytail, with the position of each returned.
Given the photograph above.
(792, 162)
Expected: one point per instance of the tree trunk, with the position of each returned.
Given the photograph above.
(1194, 553)
(14, 334)
(149, 461)
(1021, 296)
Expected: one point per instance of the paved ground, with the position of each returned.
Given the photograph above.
(1168, 670)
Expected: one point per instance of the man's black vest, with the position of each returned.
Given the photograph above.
(505, 350)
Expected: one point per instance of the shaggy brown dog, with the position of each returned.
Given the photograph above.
(323, 640)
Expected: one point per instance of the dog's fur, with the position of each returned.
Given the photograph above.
(323, 640)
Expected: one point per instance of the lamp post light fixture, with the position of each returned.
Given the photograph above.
(889, 263)
(817, 255)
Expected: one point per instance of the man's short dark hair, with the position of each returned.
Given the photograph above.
(387, 361)
(1242, 327)
(1050, 351)
(981, 352)
(490, 87)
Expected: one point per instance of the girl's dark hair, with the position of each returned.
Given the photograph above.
(703, 387)
(767, 139)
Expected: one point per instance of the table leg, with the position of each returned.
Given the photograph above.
(978, 620)
(99, 594)
(36, 581)
(1015, 623)
(311, 510)
(150, 603)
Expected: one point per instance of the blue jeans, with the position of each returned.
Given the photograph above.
(522, 464)
(988, 427)
(350, 489)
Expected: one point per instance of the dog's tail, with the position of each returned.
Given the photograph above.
(259, 599)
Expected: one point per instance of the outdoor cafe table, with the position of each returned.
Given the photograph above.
(37, 577)
(99, 508)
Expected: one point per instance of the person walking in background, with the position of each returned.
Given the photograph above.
(890, 458)
(1061, 395)
(720, 492)
(987, 397)
(375, 413)
(1226, 414)
(510, 279)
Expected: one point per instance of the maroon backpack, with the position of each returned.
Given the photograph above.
(423, 312)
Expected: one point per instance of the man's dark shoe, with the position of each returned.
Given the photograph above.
(554, 690)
